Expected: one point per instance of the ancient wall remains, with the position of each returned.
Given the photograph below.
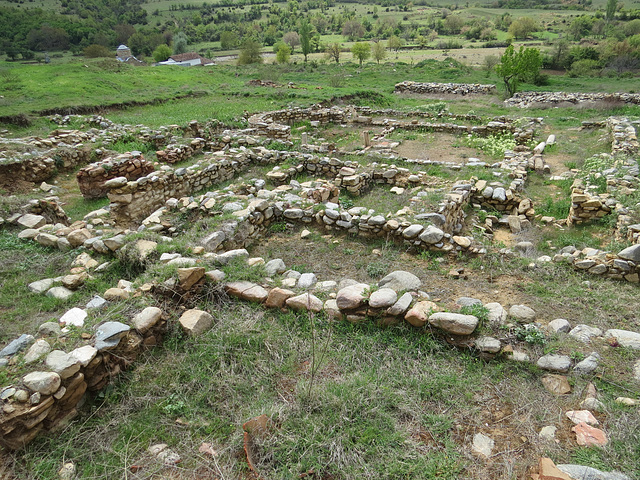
(91, 179)
(445, 88)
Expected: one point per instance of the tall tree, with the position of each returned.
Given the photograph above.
(379, 52)
(305, 38)
(515, 67)
(180, 43)
(292, 39)
(610, 11)
(250, 53)
(361, 51)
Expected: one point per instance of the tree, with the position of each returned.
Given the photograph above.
(292, 39)
(379, 52)
(180, 43)
(249, 53)
(96, 51)
(610, 11)
(422, 41)
(361, 51)
(517, 66)
(161, 53)
(333, 52)
(305, 38)
(522, 27)
(352, 29)
(228, 40)
(283, 54)
(395, 43)
(490, 62)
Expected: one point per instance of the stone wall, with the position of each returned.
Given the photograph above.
(43, 166)
(132, 201)
(178, 153)
(445, 88)
(535, 99)
(91, 179)
(45, 399)
(587, 207)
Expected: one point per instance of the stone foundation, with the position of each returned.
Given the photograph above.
(92, 178)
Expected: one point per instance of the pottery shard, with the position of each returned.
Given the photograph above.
(277, 297)
(196, 322)
(455, 323)
(587, 435)
(247, 291)
(418, 315)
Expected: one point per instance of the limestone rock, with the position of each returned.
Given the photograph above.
(588, 365)
(488, 344)
(631, 253)
(549, 471)
(557, 384)
(37, 351)
(277, 297)
(559, 325)
(579, 416)
(306, 281)
(400, 281)
(352, 297)
(84, 354)
(306, 301)
(583, 333)
(522, 313)
(455, 323)
(418, 315)
(62, 363)
(497, 314)
(482, 445)
(625, 338)
(383, 298)
(108, 335)
(195, 322)
(61, 293)
(29, 220)
(44, 383)
(146, 319)
(431, 235)
(246, 291)
(74, 317)
(40, 286)
(49, 329)
(555, 363)
(581, 472)
(401, 306)
(97, 302)
(188, 277)
(275, 266)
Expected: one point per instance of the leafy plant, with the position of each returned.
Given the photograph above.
(477, 310)
(532, 336)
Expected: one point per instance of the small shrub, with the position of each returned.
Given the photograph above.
(377, 269)
(477, 310)
(532, 336)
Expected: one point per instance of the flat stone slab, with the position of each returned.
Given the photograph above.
(108, 335)
(74, 317)
(62, 363)
(40, 286)
(455, 323)
(247, 291)
(16, 345)
(582, 472)
(555, 363)
(61, 293)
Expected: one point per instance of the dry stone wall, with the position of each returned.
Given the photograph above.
(45, 399)
(91, 179)
(445, 88)
(533, 99)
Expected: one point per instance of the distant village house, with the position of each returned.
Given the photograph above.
(187, 60)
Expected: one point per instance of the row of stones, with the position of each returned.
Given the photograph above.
(92, 178)
(444, 88)
(530, 99)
